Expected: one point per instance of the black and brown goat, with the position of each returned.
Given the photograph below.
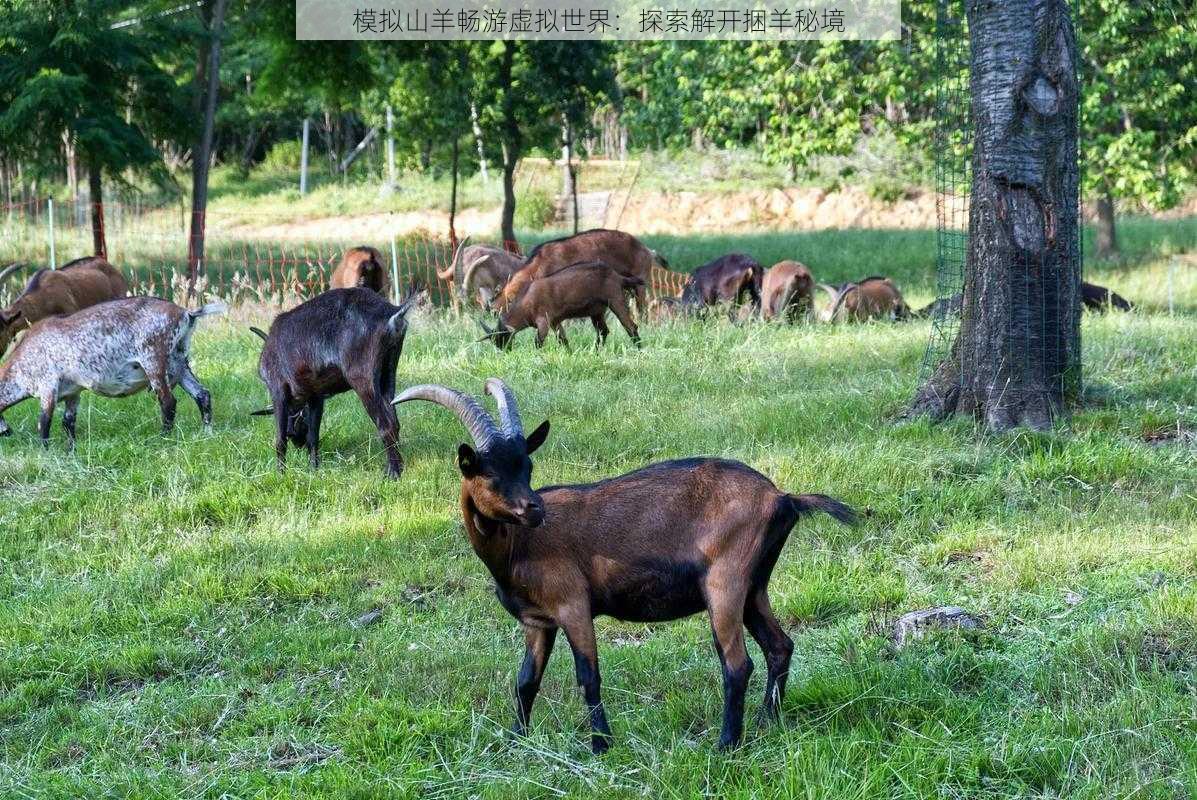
(580, 291)
(727, 279)
(341, 340)
(362, 267)
(52, 292)
(114, 349)
(661, 543)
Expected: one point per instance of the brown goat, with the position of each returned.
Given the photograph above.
(362, 267)
(621, 251)
(51, 292)
(580, 291)
(872, 298)
(661, 543)
(788, 289)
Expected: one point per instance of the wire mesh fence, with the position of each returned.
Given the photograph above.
(1012, 251)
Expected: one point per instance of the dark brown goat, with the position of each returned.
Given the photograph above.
(621, 251)
(341, 340)
(51, 292)
(727, 279)
(788, 290)
(1093, 297)
(362, 267)
(657, 544)
(581, 291)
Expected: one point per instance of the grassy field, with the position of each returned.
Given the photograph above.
(178, 620)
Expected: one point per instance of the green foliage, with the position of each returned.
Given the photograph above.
(536, 210)
(1139, 111)
(65, 70)
(285, 155)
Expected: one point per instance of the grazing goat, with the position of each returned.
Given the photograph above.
(725, 280)
(621, 251)
(874, 297)
(788, 290)
(1099, 298)
(481, 270)
(341, 340)
(657, 544)
(50, 292)
(362, 267)
(115, 349)
(1093, 297)
(581, 291)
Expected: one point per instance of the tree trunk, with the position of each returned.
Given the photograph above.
(482, 166)
(569, 178)
(1016, 360)
(95, 185)
(202, 160)
(1107, 237)
(512, 145)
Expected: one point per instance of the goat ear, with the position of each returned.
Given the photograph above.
(537, 437)
(467, 460)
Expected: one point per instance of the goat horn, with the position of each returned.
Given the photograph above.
(468, 410)
(10, 269)
(259, 332)
(450, 272)
(509, 414)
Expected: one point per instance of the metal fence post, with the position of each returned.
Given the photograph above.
(50, 205)
(394, 269)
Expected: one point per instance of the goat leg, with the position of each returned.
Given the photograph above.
(727, 628)
(197, 392)
(600, 327)
(315, 413)
(775, 644)
(70, 409)
(580, 634)
(166, 398)
(281, 404)
(45, 419)
(538, 644)
(620, 309)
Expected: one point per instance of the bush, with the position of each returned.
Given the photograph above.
(284, 156)
(535, 210)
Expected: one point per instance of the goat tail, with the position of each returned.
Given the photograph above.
(209, 309)
(806, 503)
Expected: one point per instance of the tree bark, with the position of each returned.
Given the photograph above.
(95, 186)
(512, 145)
(202, 160)
(1107, 236)
(1016, 361)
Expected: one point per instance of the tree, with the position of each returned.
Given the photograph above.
(64, 67)
(207, 82)
(525, 88)
(1016, 360)
(1139, 113)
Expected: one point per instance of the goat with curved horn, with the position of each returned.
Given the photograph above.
(472, 415)
(449, 273)
(11, 269)
(509, 414)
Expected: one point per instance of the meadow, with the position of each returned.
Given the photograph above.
(177, 619)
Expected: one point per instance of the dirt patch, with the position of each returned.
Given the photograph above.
(1170, 434)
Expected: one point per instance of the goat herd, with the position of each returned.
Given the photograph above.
(660, 543)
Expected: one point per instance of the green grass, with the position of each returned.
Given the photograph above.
(176, 618)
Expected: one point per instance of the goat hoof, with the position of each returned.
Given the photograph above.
(728, 744)
(600, 744)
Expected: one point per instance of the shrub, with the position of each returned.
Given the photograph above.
(535, 210)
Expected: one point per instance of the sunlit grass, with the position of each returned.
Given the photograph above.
(177, 618)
